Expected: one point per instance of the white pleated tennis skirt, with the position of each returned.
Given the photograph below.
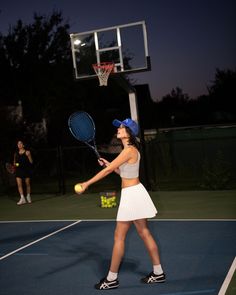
(135, 203)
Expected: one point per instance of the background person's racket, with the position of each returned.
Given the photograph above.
(82, 127)
(10, 168)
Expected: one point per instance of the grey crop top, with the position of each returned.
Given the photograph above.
(130, 170)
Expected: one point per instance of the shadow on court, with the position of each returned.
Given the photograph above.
(196, 256)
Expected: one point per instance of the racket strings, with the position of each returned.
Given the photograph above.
(82, 127)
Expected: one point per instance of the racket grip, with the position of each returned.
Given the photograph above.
(101, 163)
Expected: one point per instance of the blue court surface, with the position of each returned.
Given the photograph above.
(68, 257)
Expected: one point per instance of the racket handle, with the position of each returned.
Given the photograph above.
(101, 163)
(97, 154)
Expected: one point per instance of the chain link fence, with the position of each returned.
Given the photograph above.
(192, 158)
(178, 159)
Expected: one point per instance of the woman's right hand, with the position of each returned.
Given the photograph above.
(81, 188)
(103, 162)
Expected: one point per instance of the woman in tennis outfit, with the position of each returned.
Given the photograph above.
(23, 163)
(135, 205)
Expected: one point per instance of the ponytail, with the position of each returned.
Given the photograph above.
(133, 140)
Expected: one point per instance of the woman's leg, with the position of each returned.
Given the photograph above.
(111, 280)
(28, 189)
(157, 276)
(19, 185)
(20, 190)
(146, 236)
(121, 230)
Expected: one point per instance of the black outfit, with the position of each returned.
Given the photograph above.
(23, 166)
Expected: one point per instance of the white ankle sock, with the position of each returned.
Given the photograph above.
(157, 269)
(22, 197)
(112, 276)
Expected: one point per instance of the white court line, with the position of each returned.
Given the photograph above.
(228, 278)
(36, 241)
(97, 220)
(35, 220)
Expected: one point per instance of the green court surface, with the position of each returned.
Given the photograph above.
(170, 205)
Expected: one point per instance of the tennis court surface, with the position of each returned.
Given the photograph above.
(69, 257)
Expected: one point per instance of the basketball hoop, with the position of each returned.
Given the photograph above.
(103, 71)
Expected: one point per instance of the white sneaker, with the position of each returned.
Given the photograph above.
(22, 201)
(28, 199)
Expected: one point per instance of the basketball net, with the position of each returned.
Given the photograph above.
(103, 71)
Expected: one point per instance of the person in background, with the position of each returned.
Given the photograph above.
(135, 206)
(23, 171)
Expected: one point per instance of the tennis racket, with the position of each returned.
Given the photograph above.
(82, 127)
(10, 168)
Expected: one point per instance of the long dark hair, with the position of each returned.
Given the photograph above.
(26, 147)
(132, 139)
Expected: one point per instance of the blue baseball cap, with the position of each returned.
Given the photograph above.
(131, 124)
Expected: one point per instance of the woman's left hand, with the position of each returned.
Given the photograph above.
(27, 153)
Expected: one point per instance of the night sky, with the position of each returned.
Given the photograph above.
(188, 39)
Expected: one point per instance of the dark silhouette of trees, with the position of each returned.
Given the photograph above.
(31, 52)
(177, 109)
(172, 109)
(222, 95)
(36, 68)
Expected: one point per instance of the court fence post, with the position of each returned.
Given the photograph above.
(61, 175)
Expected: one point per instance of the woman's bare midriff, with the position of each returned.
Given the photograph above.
(126, 182)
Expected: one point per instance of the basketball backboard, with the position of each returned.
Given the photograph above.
(124, 45)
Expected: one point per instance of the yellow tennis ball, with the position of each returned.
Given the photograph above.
(17, 164)
(78, 188)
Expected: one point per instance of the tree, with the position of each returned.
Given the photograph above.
(222, 92)
(172, 109)
(176, 109)
(35, 55)
(36, 67)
